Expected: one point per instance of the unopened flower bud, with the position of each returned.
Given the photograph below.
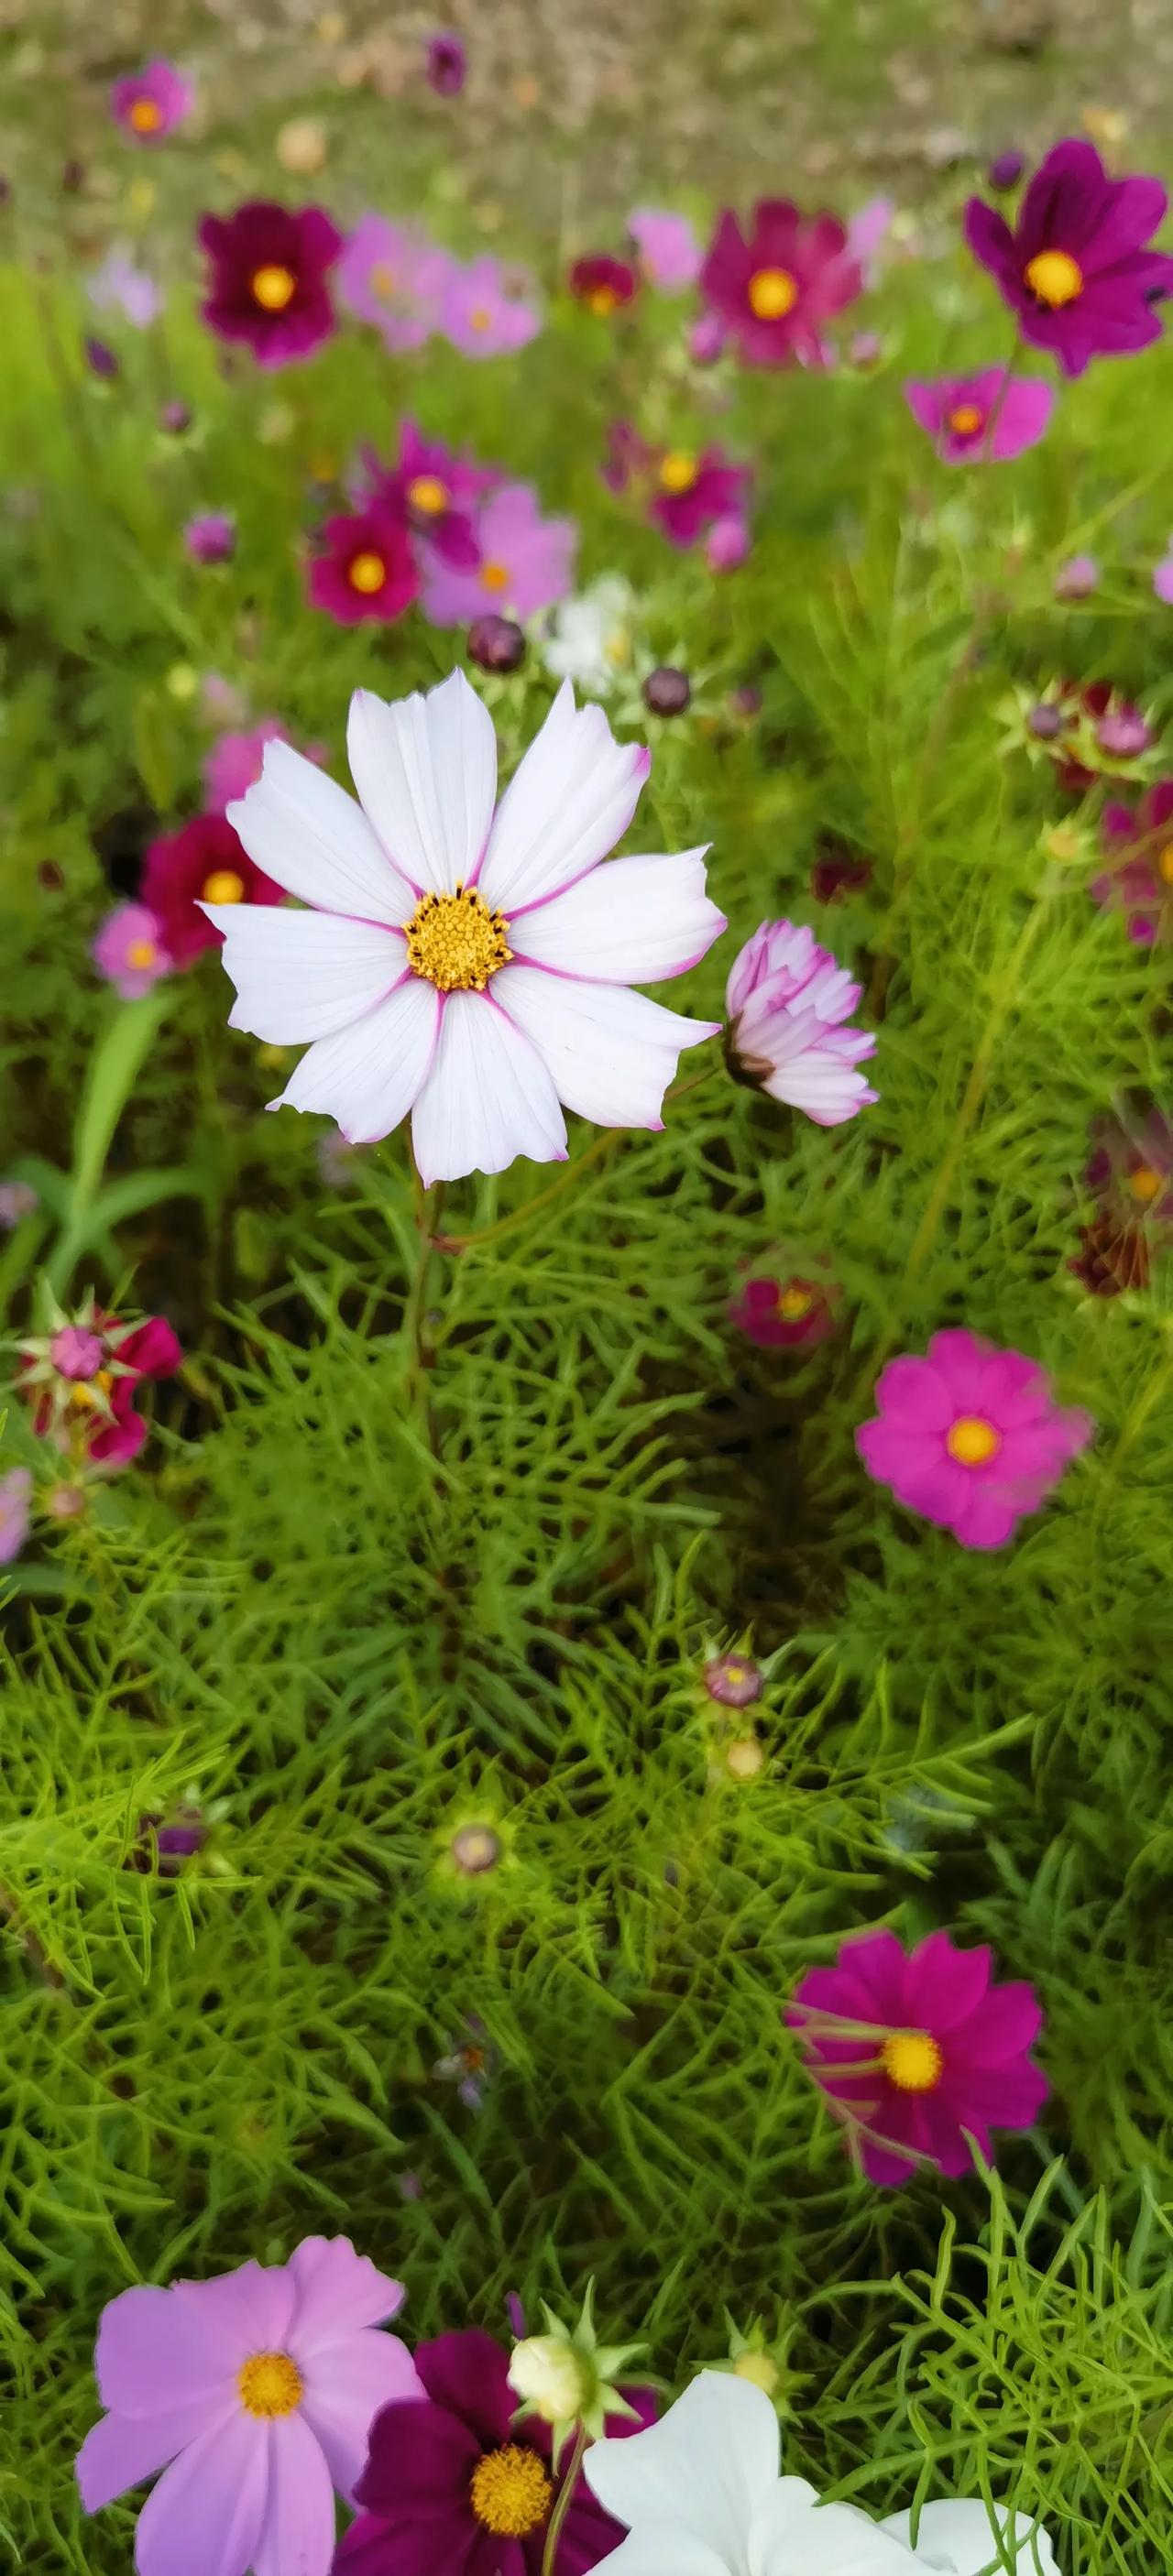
(1006, 169)
(547, 2374)
(733, 1680)
(496, 643)
(745, 1758)
(1123, 734)
(475, 1849)
(667, 692)
(1044, 722)
(759, 2369)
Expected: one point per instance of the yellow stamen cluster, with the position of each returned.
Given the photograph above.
(91, 1395)
(971, 1440)
(602, 300)
(142, 953)
(495, 576)
(772, 292)
(427, 493)
(1054, 277)
(145, 116)
(269, 2384)
(223, 886)
(678, 470)
(455, 942)
(273, 287)
(366, 573)
(510, 2492)
(1144, 1183)
(1165, 863)
(913, 2060)
(966, 420)
(794, 1302)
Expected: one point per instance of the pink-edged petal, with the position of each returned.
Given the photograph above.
(158, 2349)
(297, 2535)
(310, 837)
(1000, 2097)
(302, 975)
(989, 236)
(635, 921)
(426, 773)
(123, 2449)
(568, 803)
(1023, 417)
(611, 1053)
(369, 1075)
(828, 1092)
(487, 1098)
(944, 1985)
(338, 2291)
(895, 1455)
(346, 2386)
(835, 1992)
(206, 2515)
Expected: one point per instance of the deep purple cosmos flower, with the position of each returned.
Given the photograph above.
(603, 284)
(267, 279)
(970, 1436)
(435, 492)
(101, 359)
(204, 862)
(453, 2483)
(685, 493)
(989, 415)
(210, 538)
(1131, 1166)
(364, 568)
(148, 105)
(919, 2053)
(787, 1000)
(1111, 1257)
(1075, 269)
(836, 871)
(445, 63)
(1139, 879)
(773, 287)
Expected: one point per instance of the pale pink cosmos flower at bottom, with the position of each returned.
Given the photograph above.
(787, 999)
(970, 1436)
(983, 418)
(469, 967)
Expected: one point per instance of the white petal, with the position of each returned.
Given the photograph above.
(302, 975)
(487, 1099)
(612, 1053)
(661, 2550)
(312, 838)
(567, 804)
(369, 1074)
(632, 922)
(795, 2535)
(958, 2537)
(426, 772)
(703, 2471)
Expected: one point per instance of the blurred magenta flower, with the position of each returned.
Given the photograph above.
(865, 350)
(669, 253)
(783, 1313)
(236, 759)
(486, 309)
(362, 568)
(83, 1381)
(148, 105)
(394, 279)
(1131, 1166)
(602, 283)
(726, 545)
(432, 490)
(16, 1493)
(1139, 881)
(772, 287)
(129, 951)
(1075, 269)
(445, 63)
(787, 999)
(101, 359)
(970, 1436)
(210, 538)
(1124, 733)
(684, 493)
(526, 563)
(1163, 576)
(121, 287)
(1077, 578)
(918, 2053)
(268, 269)
(203, 862)
(990, 415)
(707, 340)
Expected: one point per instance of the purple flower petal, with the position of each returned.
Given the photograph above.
(338, 2291)
(206, 2514)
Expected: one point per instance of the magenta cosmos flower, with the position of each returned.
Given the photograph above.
(453, 2482)
(130, 952)
(469, 967)
(363, 568)
(210, 538)
(990, 415)
(435, 492)
(394, 279)
(254, 2393)
(669, 253)
(684, 493)
(148, 105)
(525, 563)
(787, 1313)
(84, 1380)
(970, 1436)
(267, 279)
(202, 863)
(774, 287)
(1075, 269)
(914, 2052)
(787, 999)
(1139, 880)
(487, 310)
(603, 284)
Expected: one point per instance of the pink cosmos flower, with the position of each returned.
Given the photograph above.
(363, 568)
(970, 1436)
(787, 999)
(986, 416)
(707, 340)
(268, 269)
(487, 310)
(130, 952)
(238, 758)
(201, 863)
(434, 492)
(603, 284)
(82, 1383)
(1075, 269)
(783, 1313)
(867, 229)
(526, 563)
(1139, 881)
(919, 2053)
(684, 494)
(726, 545)
(148, 105)
(669, 253)
(774, 286)
(394, 279)
(254, 2393)
(210, 538)
(470, 968)
(16, 1493)
(121, 287)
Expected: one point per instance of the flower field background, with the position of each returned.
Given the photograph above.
(437, 1757)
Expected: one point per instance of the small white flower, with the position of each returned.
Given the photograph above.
(701, 2495)
(591, 639)
(469, 967)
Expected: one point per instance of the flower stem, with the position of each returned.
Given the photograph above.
(562, 2503)
(428, 1203)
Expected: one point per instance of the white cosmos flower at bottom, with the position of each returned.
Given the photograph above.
(701, 2495)
(470, 967)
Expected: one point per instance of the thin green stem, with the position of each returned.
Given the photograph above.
(428, 1204)
(562, 2504)
(604, 1144)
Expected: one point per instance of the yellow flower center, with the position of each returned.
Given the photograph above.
(427, 493)
(367, 573)
(270, 2384)
(273, 288)
(794, 1302)
(1165, 863)
(495, 576)
(381, 279)
(145, 116)
(772, 292)
(480, 317)
(1054, 277)
(1144, 1183)
(913, 2060)
(510, 2492)
(86, 1398)
(678, 471)
(966, 420)
(455, 941)
(602, 299)
(971, 1440)
(141, 953)
(223, 886)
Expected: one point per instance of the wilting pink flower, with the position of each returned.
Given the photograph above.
(1075, 269)
(726, 545)
(733, 1681)
(445, 64)
(918, 2053)
(363, 568)
(210, 538)
(254, 2393)
(784, 1313)
(601, 283)
(121, 287)
(394, 279)
(1131, 1166)
(970, 1436)
(82, 1383)
(268, 269)
(787, 999)
(989, 415)
(1163, 577)
(774, 287)
(487, 310)
(1077, 578)
(684, 493)
(1139, 881)
(1112, 1257)
(148, 105)
(526, 563)
(204, 862)
(430, 488)
(669, 253)
(130, 951)
(16, 1492)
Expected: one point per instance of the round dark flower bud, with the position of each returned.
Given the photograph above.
(175, 417)
(100, 359)
(1044, 722)
(667, 692)
(475, 1849)
(496, 643)
(73, 177)
(1006, 169)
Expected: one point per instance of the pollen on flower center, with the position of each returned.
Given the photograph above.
(510, 2491)
(381, 279)
(1165, 864)
(143, 952)
(427, 493)
(1054, 277)
(480, 317)
(602, 300)
(144, 116)
(1144, 1183)
(455, 941)
(794, 1302)
(88, 1396)
(913, 2060)
(273, 288)
(678, 470)
(772, 292)
(966, 420)
(495, 576)
(270, 2383)
(223, 886)
(971, 1440)
(366, 573)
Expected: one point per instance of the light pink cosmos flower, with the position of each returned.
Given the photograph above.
(487, 310)
(867, 230)
(470, 968)
(985, 416)
(526, 563)
(394, 279)
(970, 1436)
(787, 999)
(254, 2393)
(119, 286)
(237, 759)
(129, 951)
(16, 1489)
(148, 105)
(669, 253)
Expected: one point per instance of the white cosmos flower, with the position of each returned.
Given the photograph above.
(701, 2495)
(470, 967)
(590, 637)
